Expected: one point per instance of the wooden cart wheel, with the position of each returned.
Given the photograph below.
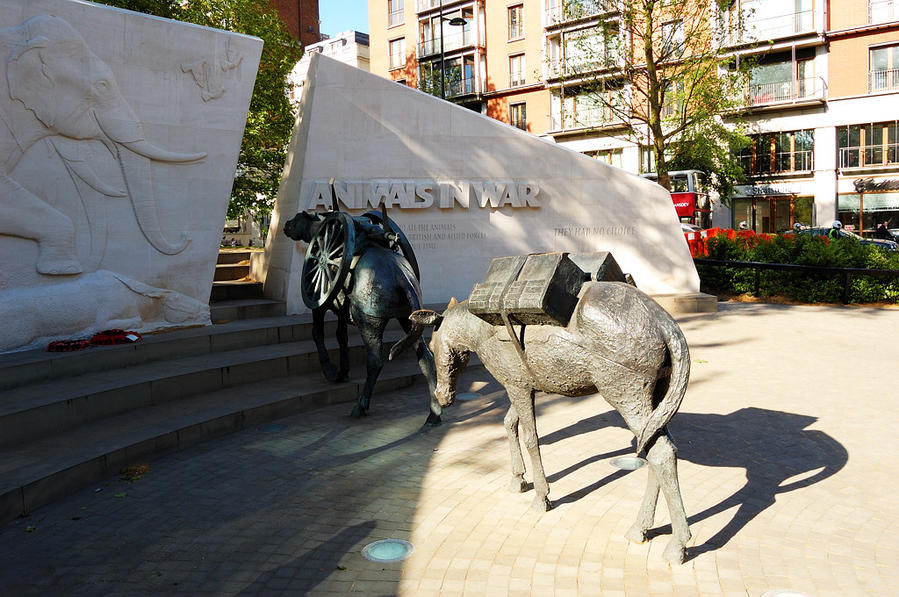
(328, 259)
(405, 246)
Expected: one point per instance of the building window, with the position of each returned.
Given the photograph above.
(883, 11)
(883, 73)
(779, 152)
(583, 50)
(869, 145)
(516, 21)
(516, 70)
(864, 212)
(518, 116)
(591, 109)
(395, 12)
(397, 52)
(613, 157)
(673, 38)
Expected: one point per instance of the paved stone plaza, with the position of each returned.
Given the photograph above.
(788, 470)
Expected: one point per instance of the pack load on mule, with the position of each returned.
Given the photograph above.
(540, 288)
(363, 269)
(584, 329)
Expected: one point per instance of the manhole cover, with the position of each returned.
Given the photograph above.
(387, 550)
(466, 396)
(628, 463)
(272, 427)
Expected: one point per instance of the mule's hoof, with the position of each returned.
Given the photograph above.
(330, 372)
(636, 534)
(675, 552)
(518, 485)
(541, 504)
(358, 412)
(433, 420)
(343, 376)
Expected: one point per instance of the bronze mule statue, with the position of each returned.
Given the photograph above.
(380, 285)
(618, 342)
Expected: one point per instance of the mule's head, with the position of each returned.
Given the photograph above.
(300, 226)
(450, 356)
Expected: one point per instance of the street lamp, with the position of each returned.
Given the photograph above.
(455, 22)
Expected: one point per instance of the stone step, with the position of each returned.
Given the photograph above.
(232, 271)
(45, 469)
(32, 366)
(235, 289)
(36, 410)
(227, 311)
(227, 256)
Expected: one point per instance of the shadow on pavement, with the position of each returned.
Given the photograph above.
(772, 446)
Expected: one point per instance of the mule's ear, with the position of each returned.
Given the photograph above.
(453, 302)
(425, 317)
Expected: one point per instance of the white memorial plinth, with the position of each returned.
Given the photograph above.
(464, 188)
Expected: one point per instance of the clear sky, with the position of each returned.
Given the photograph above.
(342, 15)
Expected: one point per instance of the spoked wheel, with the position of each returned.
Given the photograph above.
(404, 244)
(328, 259)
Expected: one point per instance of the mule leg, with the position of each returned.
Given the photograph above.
(372, 331)
(318, 336)
(429, 370)
(343, 318)
(646, 516)
(523, 401)
(662, 457)
(510, 421)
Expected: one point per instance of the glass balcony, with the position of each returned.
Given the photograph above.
(869, 156)
(774, 27)
(452, 40)
(812, 88)
(461, 87)
(883, 80)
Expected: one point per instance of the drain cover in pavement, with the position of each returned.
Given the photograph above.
(387, 550)
(628, 463)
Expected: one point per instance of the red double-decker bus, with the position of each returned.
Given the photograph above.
(690, 199)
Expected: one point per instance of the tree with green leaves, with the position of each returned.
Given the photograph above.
(659, 73)
(270, 119)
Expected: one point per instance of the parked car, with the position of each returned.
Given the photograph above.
(823, 231)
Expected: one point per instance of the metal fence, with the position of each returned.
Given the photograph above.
(847, 273)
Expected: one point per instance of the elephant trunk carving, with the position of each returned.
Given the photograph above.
(134, 154)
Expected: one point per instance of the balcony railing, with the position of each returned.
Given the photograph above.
(461, 87)
(451, 41)
(882, 11)
(558, 67)
(590, 118)
(573, 10)
(774, 27)
(869, 156)
(883, 80)
(812, 88)
(784, 162)
(423, 5)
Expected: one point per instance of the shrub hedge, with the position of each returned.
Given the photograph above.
(803, 250)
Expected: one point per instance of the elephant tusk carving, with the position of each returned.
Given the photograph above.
(157, 154)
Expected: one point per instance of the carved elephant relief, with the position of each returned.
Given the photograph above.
(62, 93)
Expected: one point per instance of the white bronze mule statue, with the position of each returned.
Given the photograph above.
(620, 343)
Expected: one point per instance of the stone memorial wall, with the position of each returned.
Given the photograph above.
(463, 187)
(119, 136)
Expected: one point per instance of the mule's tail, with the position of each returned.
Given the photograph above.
(677, 382)
(414, 299)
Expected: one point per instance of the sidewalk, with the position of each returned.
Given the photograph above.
(787, 443)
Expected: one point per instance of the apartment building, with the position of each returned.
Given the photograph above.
(301, 19)
(822, 97)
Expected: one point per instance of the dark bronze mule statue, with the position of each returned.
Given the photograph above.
(353, 270)
(618, 342)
